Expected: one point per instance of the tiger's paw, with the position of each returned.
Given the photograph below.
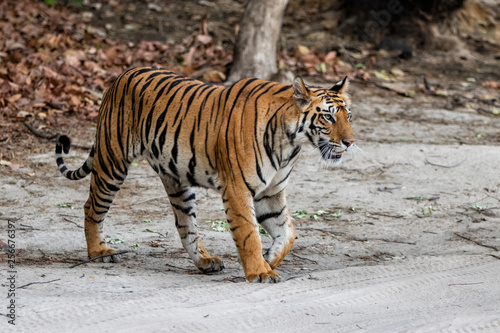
(109, 255)
(267, 277)
(211, 265)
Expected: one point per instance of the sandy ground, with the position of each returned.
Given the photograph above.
(410, 240)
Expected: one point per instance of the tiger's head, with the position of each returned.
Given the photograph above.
(326, 118)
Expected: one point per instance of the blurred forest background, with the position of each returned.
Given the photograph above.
(58, 57)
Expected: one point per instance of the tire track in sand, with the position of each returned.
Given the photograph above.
(417, 295)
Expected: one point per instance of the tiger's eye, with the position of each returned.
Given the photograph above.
(329, 118)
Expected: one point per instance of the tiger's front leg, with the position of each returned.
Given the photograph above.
(273, 215)
(243, 226)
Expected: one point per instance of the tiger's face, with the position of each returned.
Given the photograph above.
(327, 118)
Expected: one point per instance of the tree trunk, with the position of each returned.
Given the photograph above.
(255, 52)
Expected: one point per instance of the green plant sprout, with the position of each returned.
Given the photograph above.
(300, 214)
(427, 210)
(479, 208)
(219, 225)
(337, 214)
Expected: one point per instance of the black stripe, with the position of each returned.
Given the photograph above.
(163, 79)
(178, 194)
(173, 168)
(155, 151)
(186, 211)
(269, 140)
(284, 179)
(207, 151)
(172, 85)
(203, 104)
(272, 195)
(246, 238)
(176, 138)
(282, 89)
(149, 119)
(192, 196)
(259, 172)
(111, 187)
(294, 153)
(162, 138)
(86, 168)
(192, 161)
(270, 215)
(145, 87)
(163, 170)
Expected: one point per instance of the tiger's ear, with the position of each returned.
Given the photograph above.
(301, 93)
(340, 87)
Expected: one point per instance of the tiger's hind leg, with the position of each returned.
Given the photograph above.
(103, 189)
(273, 215)
(183, 203)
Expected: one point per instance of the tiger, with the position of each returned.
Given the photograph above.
(241, 140)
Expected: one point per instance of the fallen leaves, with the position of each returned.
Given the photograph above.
(13, 166)
(492, 84)
(328, 66)
(398, 88)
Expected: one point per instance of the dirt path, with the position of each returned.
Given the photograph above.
(410, 239)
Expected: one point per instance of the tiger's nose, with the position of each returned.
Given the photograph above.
(347, 142)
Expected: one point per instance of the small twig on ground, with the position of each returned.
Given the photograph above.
(395, 241)
(387, 215)
(141, 202)
(48, 136)
(38, 133)
(27, 227)
(29, 284)
(67, 215)
(464, 284)
(444, 166)
(68, 220)
(177, 267)
(486, 111)
(77, 70)
(347, 237)
(233, 279)
(476, 242)
(363, 240)
(323, 231)
(304, 258)
(389, 188)
(426, 83)
(490, 196)
(98, 257)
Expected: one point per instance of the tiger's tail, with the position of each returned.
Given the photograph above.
(63, 144)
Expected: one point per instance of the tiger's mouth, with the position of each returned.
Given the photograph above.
(331, 155)
(337, 155)
(329, 152)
